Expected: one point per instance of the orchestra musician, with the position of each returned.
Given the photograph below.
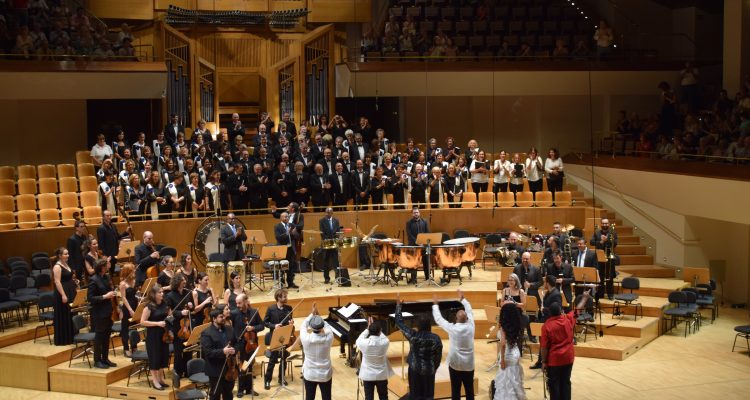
(180, 305)
(283, 232)
(328, 227)
(154, 318)
(129, 303)
(203, 299)
(530, 278)
(236, 289)
(109, 238)
(233, 238)
(188, 270)
(606, 238)
(584, 257)
(414, 227)
(75, 249)
(216, 347)
(65, 291)
(100, 294)
(145, 256)
(245, 319)
(317, 369)
(167, 274)
(563, 273)
(461, 353)
(277, 315)
(550, 295)
(557, 231)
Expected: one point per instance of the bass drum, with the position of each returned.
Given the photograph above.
(206, 241)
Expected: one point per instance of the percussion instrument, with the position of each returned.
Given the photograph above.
(386, 253)
(349, 242)
(409, 257)
(238, 267)
(522, 238)
(528, 228)
(567, 228)
(215, 272)
(206, 240)
(329, 244)
(470, 248)
(537, 243)
(449, 256)
(464, 240)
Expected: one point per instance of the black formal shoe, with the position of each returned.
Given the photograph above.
(536, 366)
(327, 282)
(293, 286)
(532, 339)
(240, 393)
(267, 385)
(110, 363)
(101, 365)
(164, 385)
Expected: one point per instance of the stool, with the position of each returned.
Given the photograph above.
(742, 331)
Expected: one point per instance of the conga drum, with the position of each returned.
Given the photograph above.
(238, 267)
(215, 272)
(329, 244)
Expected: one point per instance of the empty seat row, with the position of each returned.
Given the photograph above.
(46, 171)
(520, 199)
(67, 184)
(47, 218)
(48, 200)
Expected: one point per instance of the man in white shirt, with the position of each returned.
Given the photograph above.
(317, 369)
(461, 353)
(375, 369)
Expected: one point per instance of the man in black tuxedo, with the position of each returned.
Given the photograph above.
(305, 157)
(341, 187)
(100, 294)
(563, 274)
(583, 256)
(358, 149)
(109, 238)
(290, 127)
(360, 185)
(282, 184)
(237, 183)
(172, 129)
(606, 238)
(328, 227)
(75, 251)
(301, 184)
(233, 237)
(328, 162)
(145, 256)
(414, 227)
(217, 343)
(320, 189)
(262, 134)
(552, 296)
(235, 128)
(258, 189)
(283, 231)
(531, 280)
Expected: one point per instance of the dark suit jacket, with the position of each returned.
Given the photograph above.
(143, 261)
(99, 286)
(233, 245)
(553, 296)
(325, 228)
(109, 239)
(318, 193)
(567, 278)
(413, 228)
(354, 151)
(283, 239)
(597, 242)
(258, 191)
(232, 132)
(74, 244)
(336, 189)
(298, 221)
(213, 343)
(533, 276)
(286, 185)
(169, 134)
(358, 187)
(589, 259)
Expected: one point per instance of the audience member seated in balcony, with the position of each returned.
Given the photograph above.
(79, 20)
(57, 34)
(44, 53)
(64, 50)
(390, 43)
(451, 51)
(560, 52)
(483, 11)
(405, 42)
(84, 41)
(392, 27)
(581, 51)
(421, 42)
(126, 51)
(24, 43)
(103, 52)
(125, 33)
(439, 43)
(408, 27)
(604, 38)
(369, 42)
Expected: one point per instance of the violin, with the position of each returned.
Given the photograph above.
(233, 370)
(251, 337)
(168, 336)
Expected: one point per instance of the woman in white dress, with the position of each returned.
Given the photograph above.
(509, 378)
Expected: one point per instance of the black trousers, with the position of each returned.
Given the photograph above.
(554, 185)
(272, 361)
(103, 330)
(425, 268)
(224, 389)
(499, 187)
(370, 386)
(180, 357)
(421, 387)
(325, 389)
(330, 262)
(461, 378)
(606, 281)
(245, 381)
(535, 186)
(125, 324)
(479, 187)
(516, 188)
(559, 382)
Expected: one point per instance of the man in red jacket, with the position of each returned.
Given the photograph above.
(557, 348)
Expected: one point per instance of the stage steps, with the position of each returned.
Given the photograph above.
(139, 390)
(80, 379)
(25, 364)
(648, 271)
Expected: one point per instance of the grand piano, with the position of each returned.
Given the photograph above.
(349, 322)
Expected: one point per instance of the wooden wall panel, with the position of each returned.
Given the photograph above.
(241, 87)
(339, 10)
(121, 9)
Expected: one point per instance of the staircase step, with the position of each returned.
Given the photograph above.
(630, 249)
(647, 271)
(641, 259)
(623, 230)
(627, 240)
(576, 194)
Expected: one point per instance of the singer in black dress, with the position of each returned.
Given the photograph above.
(65, 293)
(154, 319)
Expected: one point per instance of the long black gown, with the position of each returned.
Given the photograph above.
(63, 318)
(158, 351)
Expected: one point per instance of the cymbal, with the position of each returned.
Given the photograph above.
(522, 238)
(568, 228)
(528, 228)
(312, 231)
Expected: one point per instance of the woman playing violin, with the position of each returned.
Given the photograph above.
(129, 304)
(180, 298)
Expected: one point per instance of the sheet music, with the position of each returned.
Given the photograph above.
(356, 320)
(349, 310)
(404, 314)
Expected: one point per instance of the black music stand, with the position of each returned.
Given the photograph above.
(254, 237)
(427, 240)
(589, 276)
(280, 342)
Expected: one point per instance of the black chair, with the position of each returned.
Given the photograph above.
(11, 260)
(7, 305)
(677, 313)
(628, 299)
(83, 341)
(706, 298)
(743, 331)
(139, 358)
(196, 372)
(461, 233)
(695, 313)
(22, 293)
(4, 282)
(116, 329)
(215, 257)
(491, 247)
(39, 264)
(39, 254)
(46, 314)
